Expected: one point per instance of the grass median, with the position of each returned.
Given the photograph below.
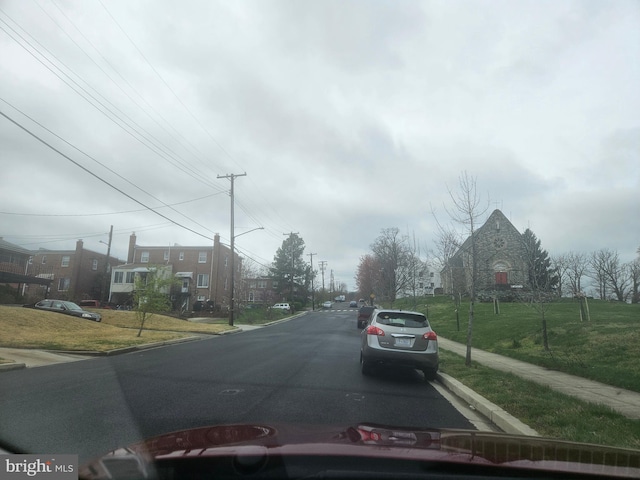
(550, 413)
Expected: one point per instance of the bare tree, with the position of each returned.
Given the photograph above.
(597, 270)
(617, 276)
(368, 275)
(467, 212)
(560, 265)
(447, 242)
(392, 253)
(634, 275)
(543, 279)
(577, 264)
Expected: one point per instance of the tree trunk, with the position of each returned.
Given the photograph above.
(467, 360)
(144, 316)
(545, 337)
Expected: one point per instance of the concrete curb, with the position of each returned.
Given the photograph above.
(5, 367)
(496, 415)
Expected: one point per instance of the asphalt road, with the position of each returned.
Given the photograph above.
(304, 371)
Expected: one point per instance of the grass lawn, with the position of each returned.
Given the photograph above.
(605, 349)
(30, 328)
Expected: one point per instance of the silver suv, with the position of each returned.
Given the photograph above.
(402, 338)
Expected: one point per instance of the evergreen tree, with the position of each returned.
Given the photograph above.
(290, 270)
(542, 276)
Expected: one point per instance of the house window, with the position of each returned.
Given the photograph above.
(251, 298)
(262, 284)
(431, 275)
(94, 264)
(118, 277)
(275, 284)
(225, 283)
(202, 257)
(130, 277)
(226, 260)
(201, 298)
(65, 261)
(63, 284)
(144, 257)
(166, 255)
(44, 259)
(421, 285)
(181, 256)
(203, 280)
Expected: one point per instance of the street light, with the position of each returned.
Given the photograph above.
(233, 270)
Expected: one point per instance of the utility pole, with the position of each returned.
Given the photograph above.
(106, 268)
(293, 268)
(323, 263)
(232, 177)
(332, 285)
(313, 296)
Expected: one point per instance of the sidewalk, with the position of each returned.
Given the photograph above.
(622, 401)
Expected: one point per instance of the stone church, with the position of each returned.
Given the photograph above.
(500, 260)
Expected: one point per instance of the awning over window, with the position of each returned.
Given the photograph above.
(7, 277)
(184, 275)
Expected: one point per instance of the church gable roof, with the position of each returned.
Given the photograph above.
(496, 221)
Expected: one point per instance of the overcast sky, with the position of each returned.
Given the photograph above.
(348, 117)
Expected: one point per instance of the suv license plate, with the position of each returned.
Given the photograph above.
(403, 342)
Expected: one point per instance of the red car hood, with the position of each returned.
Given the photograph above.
(251, 446)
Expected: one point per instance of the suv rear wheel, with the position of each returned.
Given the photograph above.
(365, 367)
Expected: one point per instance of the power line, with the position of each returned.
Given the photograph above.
(104, 214)
(162, 151)
(98, 162)
(168, 86)
(122, 77)
(99, 178)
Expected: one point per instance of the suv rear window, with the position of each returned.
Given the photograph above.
(399, 319)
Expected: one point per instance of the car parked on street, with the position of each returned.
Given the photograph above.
(364, 313)
(327, 304)
(68, 308)
(399, 338)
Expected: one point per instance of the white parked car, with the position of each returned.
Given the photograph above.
(326, 304)
(282, 306)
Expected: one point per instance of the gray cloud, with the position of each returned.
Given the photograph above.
(348, 117)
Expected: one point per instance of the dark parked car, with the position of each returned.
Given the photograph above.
(363, 315)
(68, 308)
(400, 338)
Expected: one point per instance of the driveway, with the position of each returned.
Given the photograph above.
(35, 358)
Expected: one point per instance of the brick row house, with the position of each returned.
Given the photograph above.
(204, 272)
(15, 274)
(65, 274)
(261, 291)
(76, 275)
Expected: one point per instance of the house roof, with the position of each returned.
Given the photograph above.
(8, 246)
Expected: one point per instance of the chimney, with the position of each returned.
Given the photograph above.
(132, 248)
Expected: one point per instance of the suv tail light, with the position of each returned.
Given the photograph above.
(430, 336)
(371, 330)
